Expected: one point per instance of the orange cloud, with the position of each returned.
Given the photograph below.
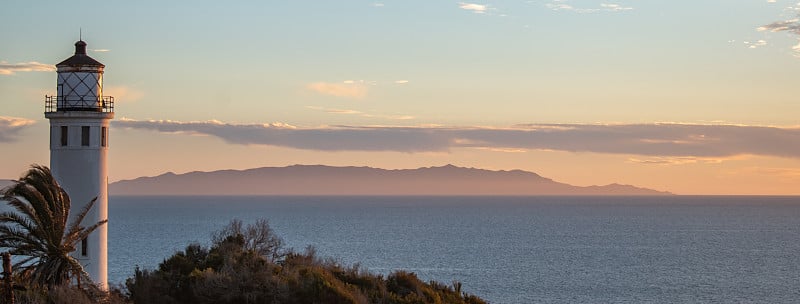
(475, 8)
(668, 161)
(347, 90)
(11, 126)
(33, 66)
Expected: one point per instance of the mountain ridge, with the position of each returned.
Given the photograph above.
(353, 180)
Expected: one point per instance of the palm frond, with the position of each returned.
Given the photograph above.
(22, 263)
(22, 206)
(84, 233)
(38, 229)
(78, 219)
(11, 218)
(76, 231)
(44, 194)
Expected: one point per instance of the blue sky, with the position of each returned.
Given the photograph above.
(332, 66)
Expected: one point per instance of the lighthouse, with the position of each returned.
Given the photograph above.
(79, 121)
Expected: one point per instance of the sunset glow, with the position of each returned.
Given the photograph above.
(681, 96)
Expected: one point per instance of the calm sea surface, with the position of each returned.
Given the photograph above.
(508, 249)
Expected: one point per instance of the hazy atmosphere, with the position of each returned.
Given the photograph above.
(691, 97)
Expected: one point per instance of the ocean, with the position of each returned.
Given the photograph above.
(666, 249)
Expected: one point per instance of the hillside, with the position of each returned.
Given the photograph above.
(327, 180)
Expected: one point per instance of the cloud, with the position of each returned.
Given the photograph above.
(32, 66)
(561, 5)
(679, 160)
(11, 126)
(334, 111)
(348, 89)
(323, 139)
(504, 150)
(378, 4)
(755, 45)
(614, 7)
(361, 82)
(100, 50)
(791, 26)
(362, 114)
(653, 140)
(475, 8)
(401, 81)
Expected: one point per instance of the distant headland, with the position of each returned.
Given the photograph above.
(328, 180)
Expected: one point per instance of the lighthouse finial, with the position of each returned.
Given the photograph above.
(80, 33)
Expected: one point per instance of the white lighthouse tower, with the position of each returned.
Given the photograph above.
(79, 119)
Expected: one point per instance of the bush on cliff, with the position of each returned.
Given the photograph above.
(247, 264)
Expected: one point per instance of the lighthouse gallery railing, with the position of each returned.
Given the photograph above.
(57, 103)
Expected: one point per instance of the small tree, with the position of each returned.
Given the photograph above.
(257, 237)
(39, 232)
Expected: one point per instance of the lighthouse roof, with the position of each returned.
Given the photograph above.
(80, 58)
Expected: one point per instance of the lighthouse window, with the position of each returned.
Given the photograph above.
(64, 135)
(85, 136)
(104, 137)
(84, 247)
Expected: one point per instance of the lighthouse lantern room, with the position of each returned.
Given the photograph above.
(79, 122)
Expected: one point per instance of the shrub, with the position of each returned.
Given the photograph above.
(248, 264)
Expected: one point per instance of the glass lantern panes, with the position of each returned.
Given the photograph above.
(80, 90)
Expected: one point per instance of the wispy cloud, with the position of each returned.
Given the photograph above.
(360, 113)
(557, 6)
(475, 8)
(348, 89)
(11, 126)
(351, 88)
(504, 150)
(563, 5)
(100, 50)
(680, 160)
(652, 140)
(32, 66)
(612, 7)
(361, 82)
(334, 111)
(791, 26)
(755, 44)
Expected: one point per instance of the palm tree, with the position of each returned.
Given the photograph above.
(38, 231)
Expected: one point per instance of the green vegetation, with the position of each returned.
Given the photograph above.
(249, 265)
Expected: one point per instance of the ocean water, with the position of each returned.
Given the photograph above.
(508, 249)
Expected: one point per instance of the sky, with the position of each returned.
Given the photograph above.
(692, 97)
